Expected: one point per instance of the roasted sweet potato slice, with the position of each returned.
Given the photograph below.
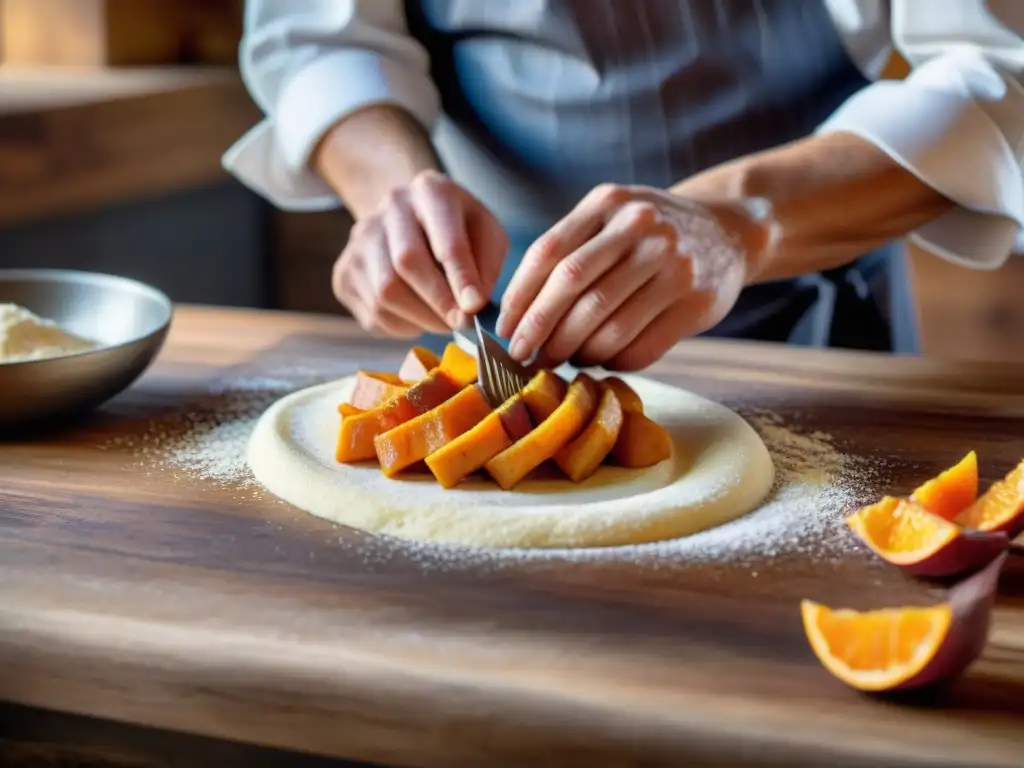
(346, 410)
(374, 388)
(580, 458)
(641, 443)
(355, 441)
(471, 450)
(418, 438)
(543, 394)
(568, 420)
(512, 421)
(515, 418)
(459, 365)
(628, 398)
(418, 362)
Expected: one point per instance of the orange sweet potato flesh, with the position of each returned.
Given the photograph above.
(471, 450)
(355, 441)
(347, 409)
(459, 365)
(628, 398)
(581, 458)
(543, 394)
(641, 443)
(419, 361)
(418, 438)
(374, 388)
(515, 418)
(568, 420)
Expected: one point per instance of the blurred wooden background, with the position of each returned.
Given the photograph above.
(99, 33)
(117, 111)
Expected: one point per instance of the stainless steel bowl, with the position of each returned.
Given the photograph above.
(128, 319)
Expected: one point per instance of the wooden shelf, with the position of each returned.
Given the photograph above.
(120, 32)
(76, 139)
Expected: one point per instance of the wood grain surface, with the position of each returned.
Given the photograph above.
(146, 597)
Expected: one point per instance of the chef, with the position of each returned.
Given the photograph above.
(623, 174)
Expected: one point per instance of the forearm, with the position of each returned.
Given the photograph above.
(370, 153)
(832, 198)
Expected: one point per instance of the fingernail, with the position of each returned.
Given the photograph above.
(499, 326)
(519, 349)
(470, 298)
(455, 319)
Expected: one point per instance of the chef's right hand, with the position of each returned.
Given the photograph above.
(425, 259)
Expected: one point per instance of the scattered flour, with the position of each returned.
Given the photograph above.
(206, 438)
(815, 485)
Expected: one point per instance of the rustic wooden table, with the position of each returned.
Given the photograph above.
(147, 597)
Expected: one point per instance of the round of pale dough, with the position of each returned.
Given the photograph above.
(720, 469)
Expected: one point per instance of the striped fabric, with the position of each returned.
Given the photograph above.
(566, 94)
(547, 98)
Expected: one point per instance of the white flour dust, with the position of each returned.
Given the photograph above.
(206, 439)
(816, 483)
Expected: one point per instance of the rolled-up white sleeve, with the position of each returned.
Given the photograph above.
(308, 64)
(956, 122)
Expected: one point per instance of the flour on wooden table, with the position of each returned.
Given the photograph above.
(206, 438)
(816, 483)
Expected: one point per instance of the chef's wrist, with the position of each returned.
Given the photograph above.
(828, 199)
(747, 219)
(370, 153)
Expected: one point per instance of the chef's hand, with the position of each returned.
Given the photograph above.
(625, 275)
(425, 259)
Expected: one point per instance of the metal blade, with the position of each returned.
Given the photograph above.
(501, 376)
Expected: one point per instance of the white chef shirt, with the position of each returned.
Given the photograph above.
(956, 122)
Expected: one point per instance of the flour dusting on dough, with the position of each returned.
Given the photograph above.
(816, 485)
(205, 441)
(719, 470)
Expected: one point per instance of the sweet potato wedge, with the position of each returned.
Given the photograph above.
(628, 398)
(641, 443)
(543, 394)
(459, 365)
(355, 440)
(468, 452)
(558, 429)
(581, 458)
(418, 438)
(418, 362)
(374, 388)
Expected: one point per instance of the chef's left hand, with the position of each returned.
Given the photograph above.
(625, 275)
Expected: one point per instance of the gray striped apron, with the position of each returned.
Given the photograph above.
(680, 86)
